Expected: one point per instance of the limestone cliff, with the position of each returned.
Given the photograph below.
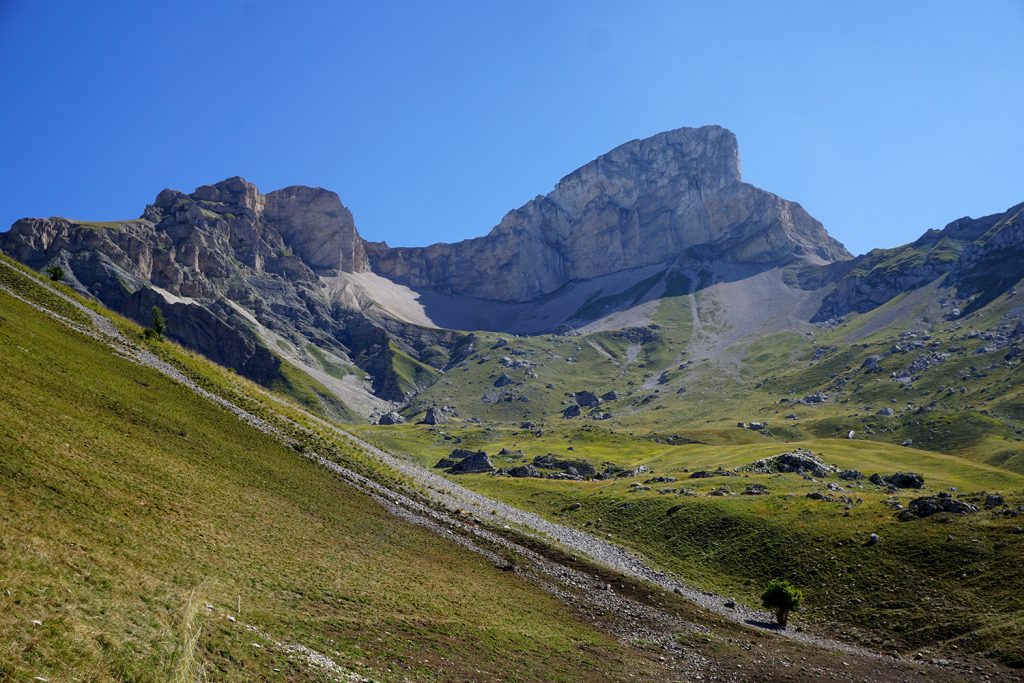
(676, 195)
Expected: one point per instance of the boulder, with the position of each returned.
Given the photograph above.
(574, 468)
(475, 463)
(927, 506)
(993, 500)
(886, 412)
(610, 396)
(503, 380)
(572, 410)
(872, 364)
(587, 399)
(900, 480)
(522, 471)
(390, 418)
(800, 461)
(435, 416)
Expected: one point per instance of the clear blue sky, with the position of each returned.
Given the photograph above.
(432, 119)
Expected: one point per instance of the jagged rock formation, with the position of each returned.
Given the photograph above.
(231, 268)
(675, 195)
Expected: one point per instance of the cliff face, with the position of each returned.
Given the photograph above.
(676, 195)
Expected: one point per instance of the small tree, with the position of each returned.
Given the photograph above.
(159, 323)
(782, 597)
(55, 273)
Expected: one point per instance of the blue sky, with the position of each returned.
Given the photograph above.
(432, 119)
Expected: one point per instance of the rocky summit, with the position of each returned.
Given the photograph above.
(674, 196)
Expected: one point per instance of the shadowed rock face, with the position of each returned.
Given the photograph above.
(676, 195)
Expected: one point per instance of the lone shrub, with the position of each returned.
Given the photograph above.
(159, 323)
(55, 273)
(782, 597)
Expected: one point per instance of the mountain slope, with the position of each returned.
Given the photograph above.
(981, 256)
(130, 503)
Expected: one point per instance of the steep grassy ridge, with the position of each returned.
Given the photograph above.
(129, 503)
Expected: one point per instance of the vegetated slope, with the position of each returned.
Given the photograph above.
(929, 584)
(130, 504)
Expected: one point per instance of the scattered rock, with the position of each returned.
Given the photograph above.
(610, 396)
(572, 410)
(886, 412)
(850, 475)
(755, 490)
(587, 399)
(872, 539)
(720, 472)
(503, 380)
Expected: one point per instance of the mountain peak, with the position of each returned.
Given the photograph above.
(675, 196)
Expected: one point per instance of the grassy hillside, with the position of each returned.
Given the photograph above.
(961, 395)
(130, 504)
(942, 581)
